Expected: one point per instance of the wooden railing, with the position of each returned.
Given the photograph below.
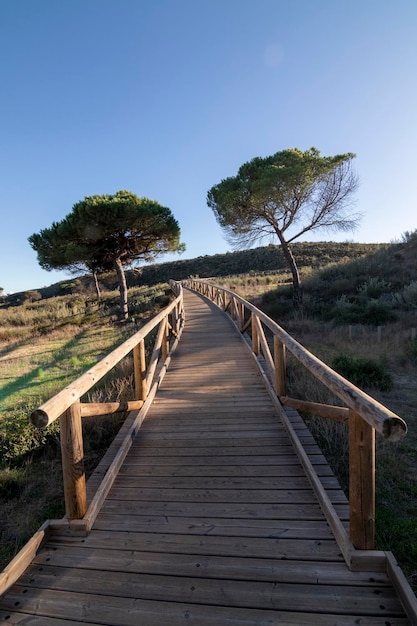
(67, 405)
(363, 414)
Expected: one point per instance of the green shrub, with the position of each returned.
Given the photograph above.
(19, 438)
(374, 287)
(377, 313)
(363, 372)
(407, 298)
(359, 311)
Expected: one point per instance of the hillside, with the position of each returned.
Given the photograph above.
(262, 259)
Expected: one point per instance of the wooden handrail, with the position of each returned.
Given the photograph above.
(66, 404)
(385, 422)
(363, 414)
(55, 406)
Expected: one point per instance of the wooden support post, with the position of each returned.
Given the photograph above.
(139, 363)
(165, 340)
(73, 462)
(239, 314)
(241, 317)
(280, 367)
(174, 319)
(232, 308)
(361, 482)
(255, 336)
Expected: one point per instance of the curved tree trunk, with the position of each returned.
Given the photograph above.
(124, 313)
(297, 293)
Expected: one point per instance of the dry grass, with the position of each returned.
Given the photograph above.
(396, 475)
(34, 366)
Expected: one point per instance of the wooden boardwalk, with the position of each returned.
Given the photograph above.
(211, 519)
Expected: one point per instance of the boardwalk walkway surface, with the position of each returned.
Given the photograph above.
(211, 520)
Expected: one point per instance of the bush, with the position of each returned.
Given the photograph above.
(18, 438)
(372, 312)
(363, 372)
(374, 287)
(407, 298)
(377, 313)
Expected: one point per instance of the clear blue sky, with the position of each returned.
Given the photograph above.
(167, 97)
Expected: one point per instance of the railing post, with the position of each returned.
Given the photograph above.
(256, 348)
(361, 482)
(280, 367)
(174, 320)
(139, 364)
(73, 462)
(239, 320)
(241, 316)
(165, 339)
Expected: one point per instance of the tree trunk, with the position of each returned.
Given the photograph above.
(124, 313)
(297, 293)
(97, 286)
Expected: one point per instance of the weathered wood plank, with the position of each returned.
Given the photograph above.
(223, 482)
(232, 593)
(240, 527)
(131, 612)
(258, 547)
(288, 510)
(207, 496)
(146, 467)
(238, 568)
(258, 448)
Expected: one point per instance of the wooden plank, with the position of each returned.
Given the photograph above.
(131, 612)
(402, 587)
(241, 594)
(219, 482)
(22, 619)
(165, 423)
(221, 459)
(206, 496)
(23, 558)
(336, 413)
(238, 568)
(223, 437)
(224, 509)
(146, 467)
(258, 448)
(250, 547)
(240, 527)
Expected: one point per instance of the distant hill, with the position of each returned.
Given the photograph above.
(263, 259)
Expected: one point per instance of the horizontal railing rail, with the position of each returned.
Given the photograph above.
(68, 408)
(363, 414)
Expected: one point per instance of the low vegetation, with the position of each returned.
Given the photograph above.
(45, 344)
(359, 316)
